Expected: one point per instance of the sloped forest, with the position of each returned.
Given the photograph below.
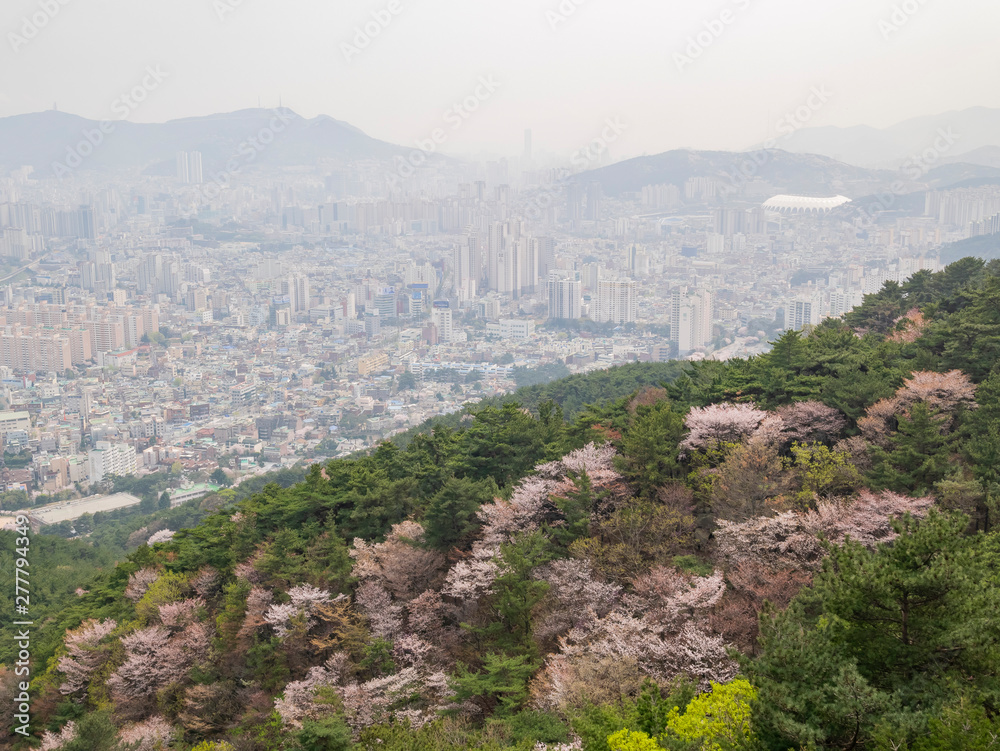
(795, 551)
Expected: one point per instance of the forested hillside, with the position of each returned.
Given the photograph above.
(794, 551)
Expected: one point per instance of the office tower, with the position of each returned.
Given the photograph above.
(691, 320)
(527, 145)
(616, 302)
(183, 168)
(594, 201)
(194, 167)
(564, 299)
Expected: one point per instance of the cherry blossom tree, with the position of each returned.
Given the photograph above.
(259, 601)
(84, 655)
(164, 535)
(943, 392)
(148, 735)
(180, 614)
(385, 618)
(55, 741)
(574, 598)
(139, 583)
(791, 539)
(749, 585)
(811, 421)
(721, 423)
(400, 564)
(304, 600)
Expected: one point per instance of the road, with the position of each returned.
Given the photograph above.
(24, 268)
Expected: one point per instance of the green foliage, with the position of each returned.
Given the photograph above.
(650, 447)
(822, 472)
(94, 732)
(531, 726)
(328, 734)
(918, 456)
(501, 687)
(450, 519)
(540, 375)
(516, 592)
(632, 740)
(717, 721)
(880, 636)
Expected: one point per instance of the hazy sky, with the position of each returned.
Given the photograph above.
(610, 58)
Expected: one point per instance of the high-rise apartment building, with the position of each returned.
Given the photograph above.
(802, 312)
(691, 320)
(183, 168)
(565, 299)
(616, 302)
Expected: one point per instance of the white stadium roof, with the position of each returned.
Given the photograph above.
(804, 204)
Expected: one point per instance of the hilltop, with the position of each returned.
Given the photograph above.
(801, 542)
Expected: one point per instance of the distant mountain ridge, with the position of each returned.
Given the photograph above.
(42, 139)
(975, 131)
(805, 174)
(795, 173)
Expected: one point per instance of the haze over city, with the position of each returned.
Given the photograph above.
(562, 68)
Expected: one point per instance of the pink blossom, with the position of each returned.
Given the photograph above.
(179, 614)
(811, 421)
(150, 734)
(721, 423)
(384, 618)
(83, 656)
(54, 741)
(139, 583)
(164, 535)
(791, 538)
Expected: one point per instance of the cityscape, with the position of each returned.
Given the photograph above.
(170, 324)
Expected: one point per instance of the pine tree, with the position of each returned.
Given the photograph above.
(650, 448)
(450, 519)
(918, 455)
